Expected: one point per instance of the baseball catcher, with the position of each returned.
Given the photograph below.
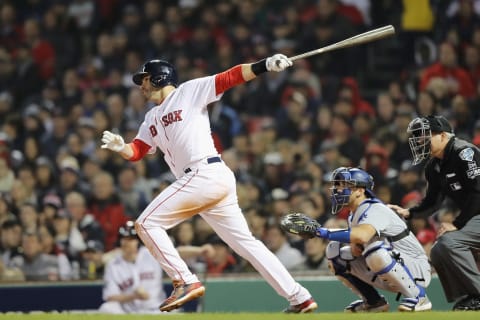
(376, 251)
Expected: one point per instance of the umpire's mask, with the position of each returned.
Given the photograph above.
(419, 141)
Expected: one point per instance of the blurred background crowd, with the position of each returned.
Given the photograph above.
(65, 76)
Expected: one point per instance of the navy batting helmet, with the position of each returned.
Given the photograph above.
(161, 72)
(127, 230)
(345, 178)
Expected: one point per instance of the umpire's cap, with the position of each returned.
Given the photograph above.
(162, 73)
(439, 124)
(127, 230)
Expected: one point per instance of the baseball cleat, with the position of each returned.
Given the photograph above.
(361, 306)
(181, 294)
(306, 307)
(415, 304)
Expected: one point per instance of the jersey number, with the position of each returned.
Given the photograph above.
(153, 131)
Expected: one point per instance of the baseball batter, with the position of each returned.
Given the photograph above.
(179, 126)
(381, 251)
(133, 279)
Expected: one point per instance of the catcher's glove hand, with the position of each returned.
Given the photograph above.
(300, 224)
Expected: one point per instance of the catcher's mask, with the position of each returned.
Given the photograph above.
(420, 130)
(343, 179)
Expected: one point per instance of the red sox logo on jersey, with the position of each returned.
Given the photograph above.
(167, 119)
(172, 117)
(126, 284)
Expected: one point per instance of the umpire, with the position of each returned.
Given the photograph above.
(452, 171)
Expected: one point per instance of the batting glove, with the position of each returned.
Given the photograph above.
(112, 141)
(278, 62)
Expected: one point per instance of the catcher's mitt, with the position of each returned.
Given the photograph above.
(300, 224)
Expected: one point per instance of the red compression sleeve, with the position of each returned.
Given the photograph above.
(139, 148)
(228, 79)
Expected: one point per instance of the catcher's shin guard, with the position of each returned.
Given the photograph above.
(379, 259)
(339, 257)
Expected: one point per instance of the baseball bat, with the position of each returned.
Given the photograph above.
(361, 38)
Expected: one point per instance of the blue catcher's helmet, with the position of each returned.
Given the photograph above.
(343, 179)
(161, 72)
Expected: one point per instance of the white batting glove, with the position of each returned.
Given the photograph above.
(278, 62)
(112, 141)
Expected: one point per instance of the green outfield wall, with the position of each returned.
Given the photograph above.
(240, 295)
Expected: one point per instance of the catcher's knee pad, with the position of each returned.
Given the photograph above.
(338, 255)
(380, 260)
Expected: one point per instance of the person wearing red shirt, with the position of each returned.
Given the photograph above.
(447, 67)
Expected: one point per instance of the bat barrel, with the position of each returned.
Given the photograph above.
(365, 37)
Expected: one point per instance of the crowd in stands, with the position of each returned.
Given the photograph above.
(65, 77)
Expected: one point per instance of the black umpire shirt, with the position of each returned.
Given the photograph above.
(456, 176)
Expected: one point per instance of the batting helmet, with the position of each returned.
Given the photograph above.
(161, 72)
(343, 179)
(127, 230)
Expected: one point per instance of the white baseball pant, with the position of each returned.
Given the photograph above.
(210, 190)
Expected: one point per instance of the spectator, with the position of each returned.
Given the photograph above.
(35, 264)
(57, 137)
(27, 78)
(5, 213)
(134, 200)
(276, 240)
(51, 246)
(408, 180)
(82, 220)
(28, 217)
(278, 203)
(11, 238)
(45, 176)
(447, 67)
(92, 264)
(107, 208)
(67, 237)
(426, 104)
(463, 18)
(50, 205)
(315, 258)
(257, 221)
(350, 147)
(11, 29)
(43, 52)
(183, 234)
(7, 175)
(70, 179)
(472, 63)
(223, 261)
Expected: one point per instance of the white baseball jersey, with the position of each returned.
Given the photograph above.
(387, 224)
(123, 277)
(180, 126)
